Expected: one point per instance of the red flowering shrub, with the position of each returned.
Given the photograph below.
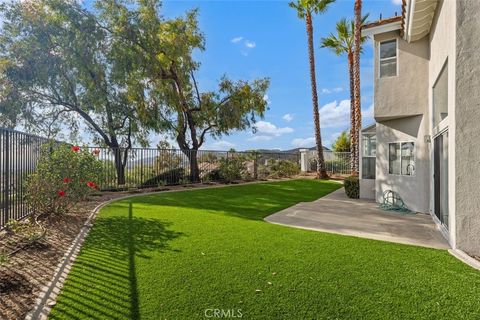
(58, 182)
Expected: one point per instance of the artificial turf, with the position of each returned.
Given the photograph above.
(180, 255)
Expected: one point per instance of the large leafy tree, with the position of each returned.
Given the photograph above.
(305, 9)
(343, 43)
(170, 96)
(342, 143)
(59, 66)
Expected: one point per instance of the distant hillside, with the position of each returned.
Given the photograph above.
(290, 151)
(311, 148)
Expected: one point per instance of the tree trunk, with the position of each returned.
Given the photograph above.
(321, 172)
(356, 61)
(119, 165)
(194, 169)
(353, 124)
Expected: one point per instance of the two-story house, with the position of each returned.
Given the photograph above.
(424, 145)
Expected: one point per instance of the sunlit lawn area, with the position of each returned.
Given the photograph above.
(174, 255)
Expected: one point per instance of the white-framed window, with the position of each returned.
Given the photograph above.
(388, 58)
(401, 158)
(369, 141)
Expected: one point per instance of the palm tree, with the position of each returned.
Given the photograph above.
(356, 70)
(343, 43)
(305, 9)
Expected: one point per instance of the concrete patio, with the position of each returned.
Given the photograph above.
(336, 213)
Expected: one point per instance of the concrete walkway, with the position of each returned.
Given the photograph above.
(336, 213)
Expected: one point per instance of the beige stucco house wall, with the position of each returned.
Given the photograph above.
(401, 108)
(433, 35)
(466, 191)
(442, 51)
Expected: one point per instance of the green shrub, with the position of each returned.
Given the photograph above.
(232, 169)
(352, 187)
(282, 168)
(169, 177)
(213, 175)
(64, 176)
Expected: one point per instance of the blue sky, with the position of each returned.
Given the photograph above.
(250, 39)
(247, 39)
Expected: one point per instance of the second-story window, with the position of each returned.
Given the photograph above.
(388, 58)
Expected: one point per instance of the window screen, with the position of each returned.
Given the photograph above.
(401, 158)
(388, 58)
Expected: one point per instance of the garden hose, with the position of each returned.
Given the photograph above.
(393, 202)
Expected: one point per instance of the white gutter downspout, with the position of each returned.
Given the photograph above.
(410, 5)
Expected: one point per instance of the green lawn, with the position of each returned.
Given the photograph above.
(174, 255)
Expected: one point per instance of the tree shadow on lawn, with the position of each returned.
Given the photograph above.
(103, 281)
(252, 202)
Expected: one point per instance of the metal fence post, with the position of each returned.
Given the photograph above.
(6, 177)
(255, 166)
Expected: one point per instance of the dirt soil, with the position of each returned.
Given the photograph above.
(29, 267)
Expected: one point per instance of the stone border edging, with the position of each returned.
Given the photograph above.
(49, 293)
(465, 258)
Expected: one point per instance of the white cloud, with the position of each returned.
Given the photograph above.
(287, 117)
(246, 44)
(250, 44)
(223, 145)
(260, 138)
(331, 90)
(335, 114)
(303, 142)
(267, 128)
(236, 39)
(367, 116)
(328, 141)
(267, 99)
(397, 2)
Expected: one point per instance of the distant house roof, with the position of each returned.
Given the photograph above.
(370, 128)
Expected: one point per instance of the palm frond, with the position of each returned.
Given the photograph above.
(333, 43)
(320, 6)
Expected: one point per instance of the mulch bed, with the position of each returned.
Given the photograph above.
(31, 266)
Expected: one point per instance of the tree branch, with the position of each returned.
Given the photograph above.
(75, 108)
(204, 132)
(197, 92)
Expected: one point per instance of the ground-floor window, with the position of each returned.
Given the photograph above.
(401, 158)
(369, 141)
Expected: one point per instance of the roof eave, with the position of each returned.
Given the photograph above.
(392, 26)
(417, 16)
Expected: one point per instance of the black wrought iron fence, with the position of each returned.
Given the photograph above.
(129, 168)
(19, 153)
(149, 167)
